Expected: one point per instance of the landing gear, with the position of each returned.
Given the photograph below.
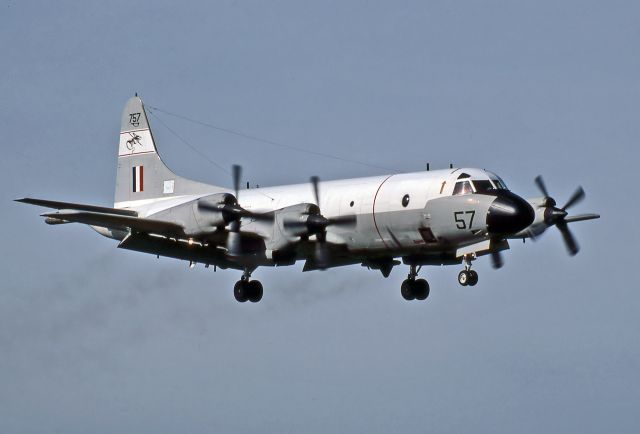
(467, 276)
(246, 289)
(413, 289)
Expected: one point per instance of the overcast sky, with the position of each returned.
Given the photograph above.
(94, 339)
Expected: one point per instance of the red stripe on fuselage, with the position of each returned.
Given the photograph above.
(373, 211)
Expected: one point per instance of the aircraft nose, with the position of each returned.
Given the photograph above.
(509, 214)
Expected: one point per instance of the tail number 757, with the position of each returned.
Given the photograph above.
(464, 219)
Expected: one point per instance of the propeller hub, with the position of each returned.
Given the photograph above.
(553, 215)
(549, 202)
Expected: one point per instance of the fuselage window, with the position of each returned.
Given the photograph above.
(405, 200)
(463, 187)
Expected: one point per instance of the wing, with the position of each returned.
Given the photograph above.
(119, 222)
(112, 218)
(76, 206)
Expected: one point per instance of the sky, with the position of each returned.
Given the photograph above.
(94, 339)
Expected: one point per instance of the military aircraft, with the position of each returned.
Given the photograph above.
(438, 217)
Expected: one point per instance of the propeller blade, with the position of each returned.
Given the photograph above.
(234, 242)
(569, 240)
(343, 220)
(576, 197)
(261, 217)
(541, 185)
(496, 259)
(294, 225)
(236, 171)
(581, 217)
(234, 212)
(316, 192)
(210, 207)
(321, 257)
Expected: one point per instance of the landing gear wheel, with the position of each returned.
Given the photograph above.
(407, 289)
(240, 291)
(255, 291)
(473, 278)
(463, 277)
(421, 289)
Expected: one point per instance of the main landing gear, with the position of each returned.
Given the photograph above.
(246, 289)
(413, 289)
(467, 276)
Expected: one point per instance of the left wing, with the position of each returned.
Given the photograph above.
(76, 206)
(112, 218)
(120, 222)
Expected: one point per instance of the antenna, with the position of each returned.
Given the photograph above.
(427, 167)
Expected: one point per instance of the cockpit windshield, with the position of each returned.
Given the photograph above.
(483, 185)
(468, 185)
(500, 185)
(462, 187)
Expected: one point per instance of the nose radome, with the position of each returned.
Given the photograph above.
(509, 214)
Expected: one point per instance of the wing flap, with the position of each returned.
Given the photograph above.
(115, 221)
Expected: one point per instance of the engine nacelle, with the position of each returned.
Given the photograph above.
(207, 218)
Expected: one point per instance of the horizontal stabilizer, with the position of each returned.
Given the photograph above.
(76, 206)
(120, 222)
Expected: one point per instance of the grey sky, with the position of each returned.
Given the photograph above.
(93, 339)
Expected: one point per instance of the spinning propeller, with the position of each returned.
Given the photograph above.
(230, 208)
(316, 224)
(559, 216)
(232, 213)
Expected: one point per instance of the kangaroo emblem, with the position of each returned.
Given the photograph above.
(135, 140)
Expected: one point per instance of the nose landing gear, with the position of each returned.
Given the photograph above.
(412, 288)
(467, 277)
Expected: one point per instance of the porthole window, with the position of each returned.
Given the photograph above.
(405, 200)
(351, 204)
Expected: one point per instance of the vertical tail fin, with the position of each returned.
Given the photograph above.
(141, 174)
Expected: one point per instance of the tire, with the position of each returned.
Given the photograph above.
(421, 289)
(407, 290)
(240, 291)
(255, 291)
(473, 278)
(463, 278)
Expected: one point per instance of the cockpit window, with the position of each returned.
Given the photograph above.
(462, 187)
(483, 185)
(500, 185)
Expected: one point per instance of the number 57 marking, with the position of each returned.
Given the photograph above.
(461, 218)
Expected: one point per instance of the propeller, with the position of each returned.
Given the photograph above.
(496, 259)
(230, 208)
(560, 217)
(314, 223)
(232, 212)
